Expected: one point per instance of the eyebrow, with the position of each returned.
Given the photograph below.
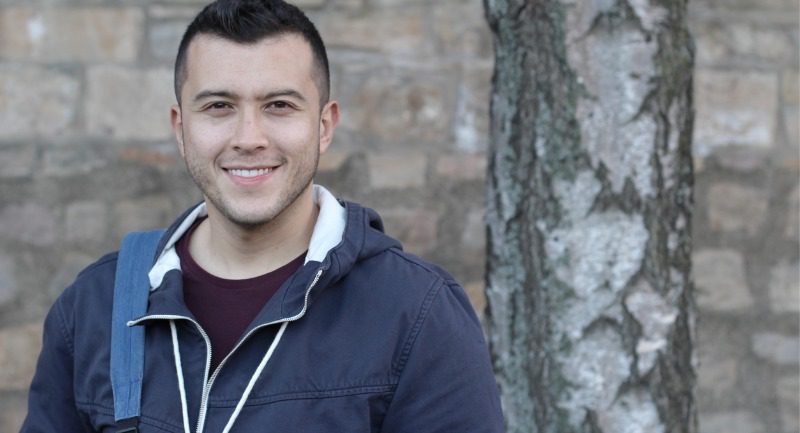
(230, 95)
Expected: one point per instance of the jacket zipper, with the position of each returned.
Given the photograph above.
(210, 382)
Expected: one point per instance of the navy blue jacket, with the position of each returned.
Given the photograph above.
(376, 340)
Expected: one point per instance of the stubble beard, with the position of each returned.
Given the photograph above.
(298, 182)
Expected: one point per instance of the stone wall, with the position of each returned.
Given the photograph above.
(746, 223)
(86, 155)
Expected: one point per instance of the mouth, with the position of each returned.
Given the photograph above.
(250, 173)
(250, 176)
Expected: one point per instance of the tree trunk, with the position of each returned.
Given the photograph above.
(590, 302)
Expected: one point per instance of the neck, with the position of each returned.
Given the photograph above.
(228, 250)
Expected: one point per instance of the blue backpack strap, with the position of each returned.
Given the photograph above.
(131, 290)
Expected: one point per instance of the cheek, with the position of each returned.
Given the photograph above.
(206, 137)
(293, 133)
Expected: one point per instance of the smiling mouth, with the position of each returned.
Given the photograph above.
(249, 173)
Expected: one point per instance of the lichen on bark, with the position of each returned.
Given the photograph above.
(589, 198)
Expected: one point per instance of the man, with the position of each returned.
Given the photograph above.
(274, 307)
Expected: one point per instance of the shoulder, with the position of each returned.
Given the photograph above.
(89, 297)
(401, 281)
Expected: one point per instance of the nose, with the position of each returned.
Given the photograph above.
(250, 135)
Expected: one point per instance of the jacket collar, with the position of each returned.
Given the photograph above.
(328, 232)
(166, 298)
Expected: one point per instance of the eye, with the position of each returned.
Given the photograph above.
(218, 106)
(279, 107)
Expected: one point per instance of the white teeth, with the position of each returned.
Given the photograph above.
(250, 173)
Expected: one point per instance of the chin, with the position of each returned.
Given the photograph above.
(251, 220)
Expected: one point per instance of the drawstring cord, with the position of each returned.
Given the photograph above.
(179, 370)
(245, 394)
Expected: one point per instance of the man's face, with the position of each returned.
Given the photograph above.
(250, 127)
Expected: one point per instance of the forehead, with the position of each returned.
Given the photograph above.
(282, 60)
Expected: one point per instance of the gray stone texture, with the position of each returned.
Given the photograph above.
(28, 223)
(8, 282)
(746, 220)
(784, 287)
(734, 109)
(86, 154)
(17, 161)
(69, 34)
(12, 411)
(720, 280)
(126, 104)
(733, 207)
(776, 348)
(19, 344)
(36, 101)
(397, 171)
(726, 422)
(789, 397)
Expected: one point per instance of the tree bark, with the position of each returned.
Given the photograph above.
(590, 302)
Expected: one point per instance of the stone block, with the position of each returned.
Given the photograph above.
(396, 32)
(741, 159)
(788, 390)
(19, 348)
(164, 155)
(720, 349)
(17, 161)
(75, 34)
(333, 160)
(12, 412)
(387, 4)
(30, 223)
(791, 121)
(777, 348)
(397, 171)
(716, 374)
(734, 109)
(416, 229)
(86, 221)
(471, 122)
(144, 213)
(350, 5)
(476, 292)
(309, 4)
(720, 280)
(790, 86)
(129, 104)
(792, 229)
(746, 5)
(724, 422)
(461, 30)
(462, 167)
(473, 238)
(77, 158)
(784, 287)
(399, 106)
(724, 41)
(36, 101)
(174, 12)
(8, 281)
(733, 207)
(163, 39)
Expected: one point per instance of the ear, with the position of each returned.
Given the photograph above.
(327, 124)
(177, 126)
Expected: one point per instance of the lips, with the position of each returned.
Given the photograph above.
(249, 173)
(250, 176)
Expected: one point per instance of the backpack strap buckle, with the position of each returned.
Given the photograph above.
(128, 425)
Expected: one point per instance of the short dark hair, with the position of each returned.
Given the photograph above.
(248, 22)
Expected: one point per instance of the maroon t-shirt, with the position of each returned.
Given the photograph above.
(225, 308)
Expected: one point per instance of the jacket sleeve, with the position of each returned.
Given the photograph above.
(51, 401)
(446, 380)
